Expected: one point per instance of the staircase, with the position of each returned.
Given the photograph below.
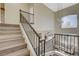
(11, 41)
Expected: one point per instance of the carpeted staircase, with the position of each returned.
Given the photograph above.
(12, 42)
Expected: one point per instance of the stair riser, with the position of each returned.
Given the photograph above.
(10, 32)
(9, 25)
(11, 44)
(22, 52)
(9, 28)
(27, 54)
(4, 40)
(10, 36)
(10, 50)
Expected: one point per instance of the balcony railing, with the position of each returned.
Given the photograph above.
(67, 44)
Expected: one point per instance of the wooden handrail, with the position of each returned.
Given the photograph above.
(67, 34)
(2, 8)
(26, 12)
(30, 26)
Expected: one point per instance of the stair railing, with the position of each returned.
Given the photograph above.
(64, 43)
(30, 32)
(68, 43)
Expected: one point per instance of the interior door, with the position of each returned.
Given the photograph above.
(2, 13)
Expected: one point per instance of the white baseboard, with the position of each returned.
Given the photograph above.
(55, 52)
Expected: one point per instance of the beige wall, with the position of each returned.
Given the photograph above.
(43, 18)
(67, 11)
(12, 12)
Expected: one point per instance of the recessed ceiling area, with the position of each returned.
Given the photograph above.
(58, 6)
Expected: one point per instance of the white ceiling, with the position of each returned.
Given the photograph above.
(58, 6)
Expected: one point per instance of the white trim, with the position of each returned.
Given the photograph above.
(52, 52)
(29, 46)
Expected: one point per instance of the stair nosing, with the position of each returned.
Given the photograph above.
(10, 54)
(4, 33)
(12, 25)
(12, 35)
(4, 48)
(5, 40)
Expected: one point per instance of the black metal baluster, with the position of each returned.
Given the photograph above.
(64, 42)
(78, 45)
(55, 42)
(70, 45)
(67, 42)
(39, 46)
(59, 42)
(44, 47)
(61, 46)
(74, 45)
(36, 44)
